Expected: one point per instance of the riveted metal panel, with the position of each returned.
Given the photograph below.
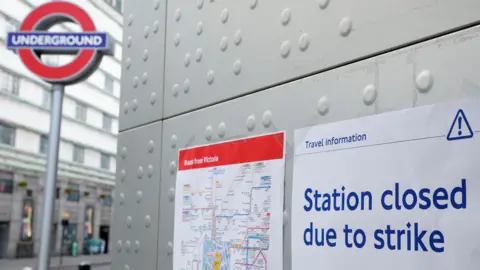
(135, 218)
(397, 80)
(141, 99)
(217, 50)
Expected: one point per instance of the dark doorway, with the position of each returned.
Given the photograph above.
(104, 235)
(4, 228)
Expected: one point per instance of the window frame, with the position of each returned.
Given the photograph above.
(78, 149)
(107, 122)
(4, 126)
(9, 82)
(43, 138)
(105, 158)
(81, 111)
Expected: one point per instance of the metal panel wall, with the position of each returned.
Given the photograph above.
(220, 49)
(135, 217)
(141, 99)
(242, 49)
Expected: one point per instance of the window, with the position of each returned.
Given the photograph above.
(7, 134)
(11, 25)
(73, 195)
(6, 186)
(105, 161)
(46, 99)
(107, 122)
(43, 144)
(9, 82)
(57, 193)
(116, 4)
(107, 201)
(78, 154)
(109, 84)
(81, 112)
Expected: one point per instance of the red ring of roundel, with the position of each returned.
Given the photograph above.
(79, 63)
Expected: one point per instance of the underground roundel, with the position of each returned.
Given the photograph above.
(33, 40)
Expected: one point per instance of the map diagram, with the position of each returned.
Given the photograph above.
(223, 221)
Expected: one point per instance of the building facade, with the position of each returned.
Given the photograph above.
(87, 150)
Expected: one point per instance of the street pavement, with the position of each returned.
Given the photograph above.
(100, 262)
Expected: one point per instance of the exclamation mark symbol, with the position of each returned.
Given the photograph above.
(459, 126)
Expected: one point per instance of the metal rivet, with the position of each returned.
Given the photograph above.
(145, 55)
(304, 42)
(285, 217)
(199, 28)
(134, 105)
(139, 196)
(171, 194)
(176, 39)
(345, 26)
(153, 98)
(424, 81)
(140, 172)
(224, 16)
(144, 78)
(129, 223)
(147, 221)
(122, 198)
(237, 39)
(178, 14)
(251, 122)
(137, 246)
(151, 146)
(175, 90)
(198, 55)
(267, 118)
(146, 32)
(199, 4)
(127, 246)
(323, 3)
(123, 175)
(285, 49)
(124, 152)
(173, 141)
(286, 15)
(119, 245)
(186, 85)
(208, 133)
(156, 27)
(323, 106)
(187, 59)
(130, 20)
(128, 63)
(210, 76)
(369, 94)
(150, 171)
(223, 43)
(170, 248)
(253, 4)
(129, 41)
(156, 5)
(126, 267)
(237, 67)
(173, 167)
(135, 81)
(222, 129)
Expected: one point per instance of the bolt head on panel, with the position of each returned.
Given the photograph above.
(178, 15)
(151, 146)
(137, 246)
(199, 4)
(119, 245)
(146, 32)
(173, 141)
(253, 4)
(156, 4)
(224, 15)
(130, 20)
(208, 133)
(237, 39)
(129, 41)
(186, 85)
(144, 78)
(173, 167)
(323, 3)
(170, 247)
(267, 118)
(304, 42)
(139, 196)
(176, 39)
(222, 129)
(156, 27)
(123, 152)
(369, 94)
(150, 171)
(223, 44)
(237, 67)
(128, 63)
(187, 59)
(122, 175)
(171, 194)
(148, 220)
(286, 16)
(345, 26)
(210, 76)
(175, 89)
(140, 172)
(128, 245)
(424, 81)
(199, 28)
(251, 122)
(198, 54)
(145, 55)
(153, 98)
(134, 104)
(285, 49)
(323, 106)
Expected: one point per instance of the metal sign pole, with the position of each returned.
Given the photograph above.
(51, 176)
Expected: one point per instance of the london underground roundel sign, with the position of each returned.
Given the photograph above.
(33, 39)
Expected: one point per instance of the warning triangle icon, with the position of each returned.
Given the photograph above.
(460, 128)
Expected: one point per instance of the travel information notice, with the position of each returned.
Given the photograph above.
(398, 190)
(229, 205)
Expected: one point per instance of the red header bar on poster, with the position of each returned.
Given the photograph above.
(266, 147)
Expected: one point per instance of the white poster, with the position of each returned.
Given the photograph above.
(397, 190)
(229, 205)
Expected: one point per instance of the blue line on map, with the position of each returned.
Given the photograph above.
(245, 214)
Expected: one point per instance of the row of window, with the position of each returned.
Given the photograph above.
(116, 4)
(10, 83)
(7, 136)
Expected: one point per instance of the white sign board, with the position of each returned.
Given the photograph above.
(398, 190)
(229, 205)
